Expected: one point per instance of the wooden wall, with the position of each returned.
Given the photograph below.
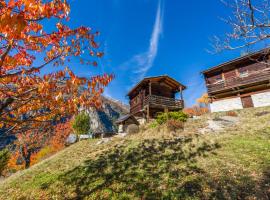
(162, 90)
(235, 71)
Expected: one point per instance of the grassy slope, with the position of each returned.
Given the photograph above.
(234, 164)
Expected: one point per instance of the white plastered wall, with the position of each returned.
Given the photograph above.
(226, 105)
(261, 99)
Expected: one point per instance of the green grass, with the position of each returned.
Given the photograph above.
(154, 164)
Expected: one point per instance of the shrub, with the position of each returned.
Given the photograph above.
(174, 125)
(81, 124)
(153, 124)
(196, 111)
(41, 155)
(164, 117)
(132, 128)
(4, 158)
(231, 114)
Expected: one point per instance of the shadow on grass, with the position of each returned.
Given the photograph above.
(153, 169)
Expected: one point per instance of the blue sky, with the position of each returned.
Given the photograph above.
(151, 37)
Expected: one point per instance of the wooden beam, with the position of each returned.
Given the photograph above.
(150, 88)
(148, 113)
(181, 92)
(166, 110)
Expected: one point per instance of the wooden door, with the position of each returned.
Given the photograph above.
(247, 102)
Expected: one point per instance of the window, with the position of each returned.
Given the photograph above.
(219, 79)
(243, 72)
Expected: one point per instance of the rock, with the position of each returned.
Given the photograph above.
(218, 124)
(215, 125)
(230, 119)
(122, 134)
(132, 129)
(103, 140)
(196, 117)
(85, 137)
(72, 138)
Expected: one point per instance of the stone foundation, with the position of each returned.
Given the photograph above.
(261, 99)
(226, 105)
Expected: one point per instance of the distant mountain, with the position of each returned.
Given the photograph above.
(102, 120)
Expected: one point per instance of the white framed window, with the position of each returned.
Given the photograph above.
(219, 79)
(243, 74)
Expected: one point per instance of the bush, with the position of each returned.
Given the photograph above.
(196, 111)
(132, 129)
(4, 158)
(41, 155)
(231, 114)
(174, 125)
(81, 124)
(164, 117)
(153, 124)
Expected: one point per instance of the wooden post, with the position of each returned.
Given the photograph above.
(150, 88)
(148, 113)
(181, 92)
(166, 110)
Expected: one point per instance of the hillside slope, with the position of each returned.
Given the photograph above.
(154, 164)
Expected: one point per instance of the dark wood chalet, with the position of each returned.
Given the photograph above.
(155, 94)
(242, 77)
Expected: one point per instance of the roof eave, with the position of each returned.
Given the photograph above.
(147, 78)
(235, 60)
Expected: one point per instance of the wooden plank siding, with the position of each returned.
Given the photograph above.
(238, 77)
(157, 101)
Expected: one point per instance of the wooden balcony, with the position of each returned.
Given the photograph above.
(158, 102)
(228, 84)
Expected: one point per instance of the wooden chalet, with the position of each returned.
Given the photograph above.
(155, 94)
(241, 83)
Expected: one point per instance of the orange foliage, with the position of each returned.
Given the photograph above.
(204, 99)
(61, 133)
(32, 98)
(54, 144)
(13, 164)
(40, 155)
(34, 146)
(196, 111)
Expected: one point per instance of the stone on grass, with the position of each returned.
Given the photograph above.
(72, 138)
(218, 124)
(85, 137)
(132, 129)
(103, 141)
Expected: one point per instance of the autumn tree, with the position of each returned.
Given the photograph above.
(204, 100)
(60, 134)
(32, 146)
(54, 142)
(27, 97)
(250, 25)
(30, 142)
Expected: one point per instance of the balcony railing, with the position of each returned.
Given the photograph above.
(163, 101)
(253, 78)
(158, 101)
